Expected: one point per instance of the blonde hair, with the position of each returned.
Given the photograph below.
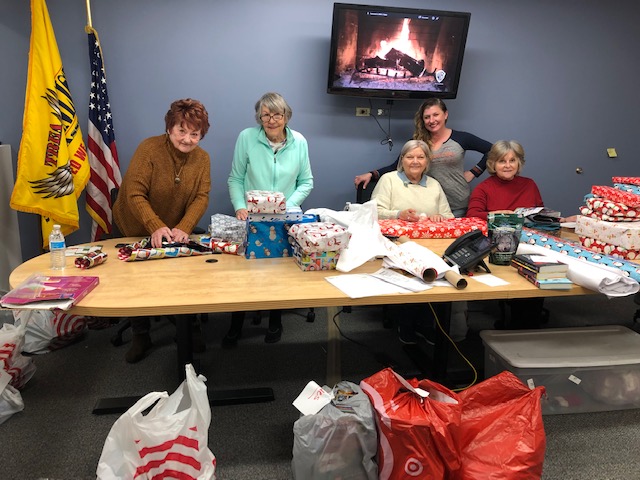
(500, 149)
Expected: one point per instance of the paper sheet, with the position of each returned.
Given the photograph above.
(490, 280)
(360, 285)
(396, 278)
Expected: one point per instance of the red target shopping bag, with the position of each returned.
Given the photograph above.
(418, 424)
(502, 433)
(171, 441)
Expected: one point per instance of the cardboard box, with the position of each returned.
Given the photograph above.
(314, 261)
(590, 369)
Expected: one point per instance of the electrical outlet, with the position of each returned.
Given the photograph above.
(363, 111)
(383, 112)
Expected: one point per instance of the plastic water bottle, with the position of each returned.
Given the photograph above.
(58, 249)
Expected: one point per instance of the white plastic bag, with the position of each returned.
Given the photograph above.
(340, 441)
(172, 438)
(12, 361)
(47, 330)
(10, 398)
(366, 242)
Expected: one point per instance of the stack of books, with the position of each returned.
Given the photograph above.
(543, 271)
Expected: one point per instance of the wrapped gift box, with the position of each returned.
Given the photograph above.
(450, 228)
(315, 261)
(610, 193)
(626, 180)
(621, 234)
(635, 189)
(271, 239)
(264, 201)
(293, 214)
(221, 246)
(320, 237)
(608, 249)
(609, 210)
(227, 228)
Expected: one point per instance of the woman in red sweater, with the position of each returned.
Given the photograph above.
(505, 190)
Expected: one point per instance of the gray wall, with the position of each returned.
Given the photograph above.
(560, 76)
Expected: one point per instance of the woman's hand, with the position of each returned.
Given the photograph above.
(242, 214)
(159, 234)
(179, 235)
(435, 218)
(469, 176)
(572, 218)
(365, 178)
(410, 215)
(502, 211)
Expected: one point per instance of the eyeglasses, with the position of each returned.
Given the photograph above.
(267, 117)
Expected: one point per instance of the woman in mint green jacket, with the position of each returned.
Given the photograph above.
(268, 157)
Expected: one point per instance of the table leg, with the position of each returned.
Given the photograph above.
(333, 346)
(184, 356)
(184, 342)
(434, 367)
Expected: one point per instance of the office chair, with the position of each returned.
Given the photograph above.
(364, 194)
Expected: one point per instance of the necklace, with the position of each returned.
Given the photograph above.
(177, 179)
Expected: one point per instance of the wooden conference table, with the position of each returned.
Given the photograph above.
(190, 285)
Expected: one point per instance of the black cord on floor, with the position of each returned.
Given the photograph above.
(380, 357)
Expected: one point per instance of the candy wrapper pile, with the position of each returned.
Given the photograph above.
(142, 250)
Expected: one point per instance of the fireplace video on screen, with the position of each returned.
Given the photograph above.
(394, 53)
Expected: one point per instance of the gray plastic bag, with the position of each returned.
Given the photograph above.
(340, 441)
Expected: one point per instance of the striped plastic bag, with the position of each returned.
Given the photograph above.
(170, 441)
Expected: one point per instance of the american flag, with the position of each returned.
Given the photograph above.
(101, 145)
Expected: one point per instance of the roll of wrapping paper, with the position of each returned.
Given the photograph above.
(455, 279)
(428, 274)
(90, 260)
(129, 255)
(220, 246)
(451, 276)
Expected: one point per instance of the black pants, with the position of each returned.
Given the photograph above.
(142, 325)
(237, 321)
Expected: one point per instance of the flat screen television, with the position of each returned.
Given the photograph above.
(396, 53)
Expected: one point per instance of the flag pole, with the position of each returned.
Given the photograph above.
(89, 14)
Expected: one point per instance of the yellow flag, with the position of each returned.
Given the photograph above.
(53, 168)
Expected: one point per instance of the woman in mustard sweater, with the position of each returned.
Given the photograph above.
(165, 192)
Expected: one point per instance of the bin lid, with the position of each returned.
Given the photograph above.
(565, 347)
